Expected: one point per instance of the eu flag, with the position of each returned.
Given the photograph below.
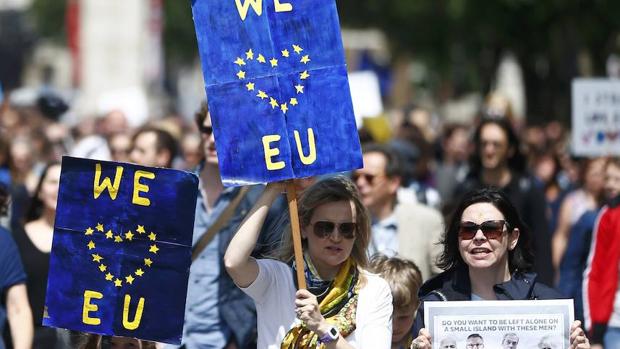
(277, 88)
(122, 250)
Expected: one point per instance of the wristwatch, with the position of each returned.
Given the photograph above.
(331, 335)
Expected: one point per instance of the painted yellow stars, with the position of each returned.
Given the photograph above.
(274, 62)
(239, 61)
(304, 75)
(274, 104)
(297, 49)
(285, 53)
(250, 86)
(261, 94)
(305, 59)
(107, 269)
(241, 74)
(249, 54)
(261, 59)
(293, 102)
(299, 89)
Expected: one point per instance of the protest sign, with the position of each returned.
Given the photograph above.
(596, 117)
(494, 324)
(121, 252)
(277, 88)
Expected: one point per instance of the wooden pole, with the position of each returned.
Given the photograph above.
(296, 231)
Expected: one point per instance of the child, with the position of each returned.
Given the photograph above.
(404, 278)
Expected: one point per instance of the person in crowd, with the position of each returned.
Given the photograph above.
(412, 230)
(498, 162)
(34, 240)
(486, 256)
(94, 341)
(547, 169)
(120, 146)
(586, 198)
(404, 279)
(153, 147)
(600, 286)
(452, 168)
(14, 305)
(218, 314)
(474, 341)
(510, 341)
(344, 306)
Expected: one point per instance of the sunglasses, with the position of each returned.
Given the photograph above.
(492, 230)
(369, 178)
(324, 229)
(207, 130)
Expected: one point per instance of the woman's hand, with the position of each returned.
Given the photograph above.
(578, 339)
(307, 310)
(422, 341)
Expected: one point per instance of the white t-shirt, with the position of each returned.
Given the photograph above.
(273, 291)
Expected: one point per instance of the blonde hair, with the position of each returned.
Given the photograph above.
(403, 276)
(328, 190)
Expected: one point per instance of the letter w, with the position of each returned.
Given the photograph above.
(99, 187)
(257, 5)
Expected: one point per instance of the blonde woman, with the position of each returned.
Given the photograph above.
(344, 306)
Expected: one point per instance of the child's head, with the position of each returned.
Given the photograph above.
(404, 278)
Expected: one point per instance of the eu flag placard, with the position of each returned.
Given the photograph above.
(122, 250)
(277, 88)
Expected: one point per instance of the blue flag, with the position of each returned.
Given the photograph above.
(277, 88)
(122, 250)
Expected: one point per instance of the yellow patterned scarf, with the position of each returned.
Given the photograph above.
(343, 293)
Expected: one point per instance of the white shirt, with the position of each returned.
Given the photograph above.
(273, 292)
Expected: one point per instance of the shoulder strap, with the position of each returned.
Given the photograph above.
(221, 220)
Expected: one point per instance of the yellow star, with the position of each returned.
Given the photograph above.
(304, 75)
(261, 94)
(118, 283)
(129, 279)
(285, 53)
(250, 86)
(103, 267)
(261, 59)
(249, 54)
(274, 103)
(152, 236)
(140, 229)
(109, 277)
(118, 238)
(109, 234)
(284, 108)
(100, 227)
(139, 272)
(129, 235)
(297, 49)
(91, 245)
(274, 62)
(97, 258)
(153, 249)
(293, 101)
(148, 262)
(305, 59)
(299, 88)
(241, 74)
(240, 61)
(89, 231)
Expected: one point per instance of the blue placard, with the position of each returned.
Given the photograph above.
(122, 250)
(277, 88)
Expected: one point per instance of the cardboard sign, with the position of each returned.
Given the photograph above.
(277, 88)
(122, 250)
(596, 117)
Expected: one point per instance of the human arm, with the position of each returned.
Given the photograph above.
(578, 339)
(423, 340)
(19, 316)
(562, 233)
(238, 261)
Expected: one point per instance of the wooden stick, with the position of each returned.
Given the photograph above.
(296, 231)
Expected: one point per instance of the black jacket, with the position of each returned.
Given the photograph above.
(454, 285)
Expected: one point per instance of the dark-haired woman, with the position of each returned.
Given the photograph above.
(486, 257)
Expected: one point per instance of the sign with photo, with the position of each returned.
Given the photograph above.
(500, 324)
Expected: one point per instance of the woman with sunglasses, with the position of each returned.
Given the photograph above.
(486, 256)
(344, 306)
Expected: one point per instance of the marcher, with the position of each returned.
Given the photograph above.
(486, 257)
(344, 306)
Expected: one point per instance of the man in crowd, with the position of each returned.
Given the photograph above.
(498, 162)
(411, 230)
(218, 314)
(153, 147)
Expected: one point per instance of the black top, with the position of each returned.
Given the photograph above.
(36, 265)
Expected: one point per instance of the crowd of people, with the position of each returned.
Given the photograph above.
(490, 210)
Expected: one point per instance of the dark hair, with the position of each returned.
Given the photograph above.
(201, 113)
(516, 160)
(393, 166)
(474, 335)
(4, 200)
(520, 258)
(164, 141)
(403, 276)
(35, 209)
